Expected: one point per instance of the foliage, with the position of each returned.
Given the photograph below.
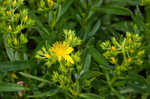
(75, 49)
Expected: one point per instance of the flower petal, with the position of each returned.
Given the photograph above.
(68, 59)
(59, 58)
(69, 50)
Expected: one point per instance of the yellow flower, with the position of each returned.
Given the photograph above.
(25, 18)
(136, 35)
(113, 48)
(131, 50)
(8, 12)
(9, 28)
(14, 3)
(47, 55)
(129, 34)
(130, 40)
(62, 50)
(129, 60)
(13, 75)
(140, 53)
(15, 41)
(51, 2)
(70, 37)
(114, 61)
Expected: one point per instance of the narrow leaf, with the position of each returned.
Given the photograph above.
(114, 10)
(10, 87)
(64, 9)
(86, 64)
(95, 29)
(97, 56)
(16, 65)
(34, 77)
(46, 94)
(90, 96)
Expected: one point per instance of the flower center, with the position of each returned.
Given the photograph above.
(60, 52)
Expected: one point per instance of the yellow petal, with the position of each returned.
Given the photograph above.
(47, 55)
(69, 50)
(68, 59)
(59, 58)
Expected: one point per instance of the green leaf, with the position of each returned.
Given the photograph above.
(137, 82)
(95, 29)
(124, 2)
(114, 10)
(126, 90)
(43, 31)
(16, 65)
(45, 94)
(86, 64)
(147, 10)
(139, 19)
(64, 9)
(97, 56)
(10, 87)
(90, 96)
(34, 77)
(137, 88)
(122, 26)
(90, 75)
(135, 77)
(87, 29)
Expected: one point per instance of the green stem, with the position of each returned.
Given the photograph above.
(144, 96)
(124, 54)
(111, 87)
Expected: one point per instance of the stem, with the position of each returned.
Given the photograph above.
(111, 87)
(144, 96)
(124, 54)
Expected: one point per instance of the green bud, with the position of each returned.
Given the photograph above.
(140, 53)
(23, 39)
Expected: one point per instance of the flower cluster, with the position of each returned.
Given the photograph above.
(60, 50)
(125, 52)
(69, 61)
(14, 20)
(71, 39)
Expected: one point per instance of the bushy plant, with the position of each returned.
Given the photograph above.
(74, 49)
